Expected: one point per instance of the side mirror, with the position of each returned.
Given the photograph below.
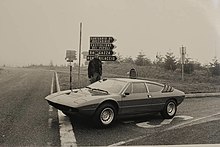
(125, 94)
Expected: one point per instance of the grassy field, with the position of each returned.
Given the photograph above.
(197, 82)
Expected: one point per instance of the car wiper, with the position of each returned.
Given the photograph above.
(88, 87)
(97, 89)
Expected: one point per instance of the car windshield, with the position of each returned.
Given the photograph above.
(109, 85)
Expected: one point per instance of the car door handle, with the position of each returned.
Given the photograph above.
(149, 96)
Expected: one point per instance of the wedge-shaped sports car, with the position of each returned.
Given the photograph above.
(107, 99)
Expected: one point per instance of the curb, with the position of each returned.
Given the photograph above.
(200, 95)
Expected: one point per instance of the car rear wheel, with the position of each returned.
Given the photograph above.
(169, 109)
(105, 115)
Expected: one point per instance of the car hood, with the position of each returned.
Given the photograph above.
(76, 98)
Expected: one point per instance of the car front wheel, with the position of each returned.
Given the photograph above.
(169, 109)
(105, 115)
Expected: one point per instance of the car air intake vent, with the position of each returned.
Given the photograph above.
(167, 88)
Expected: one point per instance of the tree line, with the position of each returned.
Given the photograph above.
(170, 62)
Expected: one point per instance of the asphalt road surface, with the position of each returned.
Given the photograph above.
(196, 122)
(27, 120)
(24, 114)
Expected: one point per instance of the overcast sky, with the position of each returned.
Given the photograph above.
(40, 31)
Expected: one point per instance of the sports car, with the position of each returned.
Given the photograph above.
(106, 100)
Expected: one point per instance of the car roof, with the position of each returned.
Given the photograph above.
(128, 80)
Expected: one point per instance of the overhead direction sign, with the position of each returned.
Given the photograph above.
(104, 46)
(102, 39)
(103, 58)
(101, 52)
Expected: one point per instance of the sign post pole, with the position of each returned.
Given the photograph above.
(80, 44)
(182, 52)
(71, 77)
(70, 56)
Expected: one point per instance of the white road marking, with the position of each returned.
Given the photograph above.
(50, 122)
(129, 140)
(50, 108)
(57, 82)
(67, 136)
(184, 117)
(191, 145)
(52, 83)
(187, 123)
(195, 121)
(164, 122)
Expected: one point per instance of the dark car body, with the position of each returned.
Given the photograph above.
(127, 97)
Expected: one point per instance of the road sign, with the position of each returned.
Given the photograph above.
(101, 52)
(105, 46)
(102, 39)
(103, 58)
(70, 55)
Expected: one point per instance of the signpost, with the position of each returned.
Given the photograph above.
(70, 56)
(104, 47)
(182, 53)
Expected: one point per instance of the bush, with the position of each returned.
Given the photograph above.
(188, 68)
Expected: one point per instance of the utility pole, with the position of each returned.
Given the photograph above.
(182, 53)
(80, 42)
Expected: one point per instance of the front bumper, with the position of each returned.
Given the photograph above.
(63, 108)
(74, 111)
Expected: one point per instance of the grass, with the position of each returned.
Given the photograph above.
(198, 82)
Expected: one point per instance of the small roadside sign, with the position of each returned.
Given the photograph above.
(70, 55)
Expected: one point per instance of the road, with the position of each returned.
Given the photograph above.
(27, 120)
(196, 122)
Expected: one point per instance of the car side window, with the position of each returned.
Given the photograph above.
(154, 87)
(129, 89)
(139, 88)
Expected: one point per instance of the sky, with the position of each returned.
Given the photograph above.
(40, 31)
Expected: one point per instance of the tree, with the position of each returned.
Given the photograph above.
(159, 60)
(141, 60)
(215, 67)
(128, 60)
(170, 62)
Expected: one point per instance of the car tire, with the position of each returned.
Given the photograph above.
(105, 115)
(169, 109)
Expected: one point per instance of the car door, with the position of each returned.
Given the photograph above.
(156, 100)
(134, 98)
